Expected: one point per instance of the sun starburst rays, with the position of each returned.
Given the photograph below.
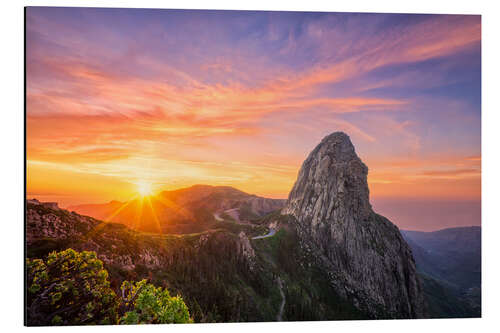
(140, 211)
(153, 213)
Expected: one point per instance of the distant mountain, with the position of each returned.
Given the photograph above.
(187, 210)
(452, 255)
(450, 262)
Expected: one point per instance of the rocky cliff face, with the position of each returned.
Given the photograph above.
(369, 263)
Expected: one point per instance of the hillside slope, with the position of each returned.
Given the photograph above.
(224, 275)
(449, 261)
(181, 211)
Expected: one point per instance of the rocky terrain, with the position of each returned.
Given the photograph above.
(224, 274)
(324, 254)
(115, 243)
(368, 259)
(212, 270)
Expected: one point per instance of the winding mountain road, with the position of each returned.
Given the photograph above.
(233, 213)
(271, 233)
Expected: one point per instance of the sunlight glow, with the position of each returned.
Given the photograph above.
(144, 188)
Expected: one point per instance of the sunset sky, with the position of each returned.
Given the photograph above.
(117, 97)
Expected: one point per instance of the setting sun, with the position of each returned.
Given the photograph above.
(144, 188)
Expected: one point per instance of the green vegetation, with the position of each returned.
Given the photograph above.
(274, 216)
(220, 278)
(69, 288)
(236, 228)
(445, 301)
(217, 281)
(147, 304)
(43, 246)
(72, 288)
(308, 292)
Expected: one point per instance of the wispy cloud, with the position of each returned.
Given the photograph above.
(241, 100)
(451, 174)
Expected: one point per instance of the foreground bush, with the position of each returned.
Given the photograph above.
(72, 288)
(146, 304)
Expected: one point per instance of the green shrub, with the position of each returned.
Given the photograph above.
(69, 288)
(146, 304)
(72, 288)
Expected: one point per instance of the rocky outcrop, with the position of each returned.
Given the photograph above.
(47, 220)
(52, 205)
(368, 261)
(245, 248)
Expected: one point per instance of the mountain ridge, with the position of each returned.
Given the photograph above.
(449, 262)
(181, 211)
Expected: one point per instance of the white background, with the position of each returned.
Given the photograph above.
(12, 157)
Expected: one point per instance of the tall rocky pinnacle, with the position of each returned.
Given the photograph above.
(367, 259)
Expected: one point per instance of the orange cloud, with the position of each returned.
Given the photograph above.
(451, 174)
(88, 122)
